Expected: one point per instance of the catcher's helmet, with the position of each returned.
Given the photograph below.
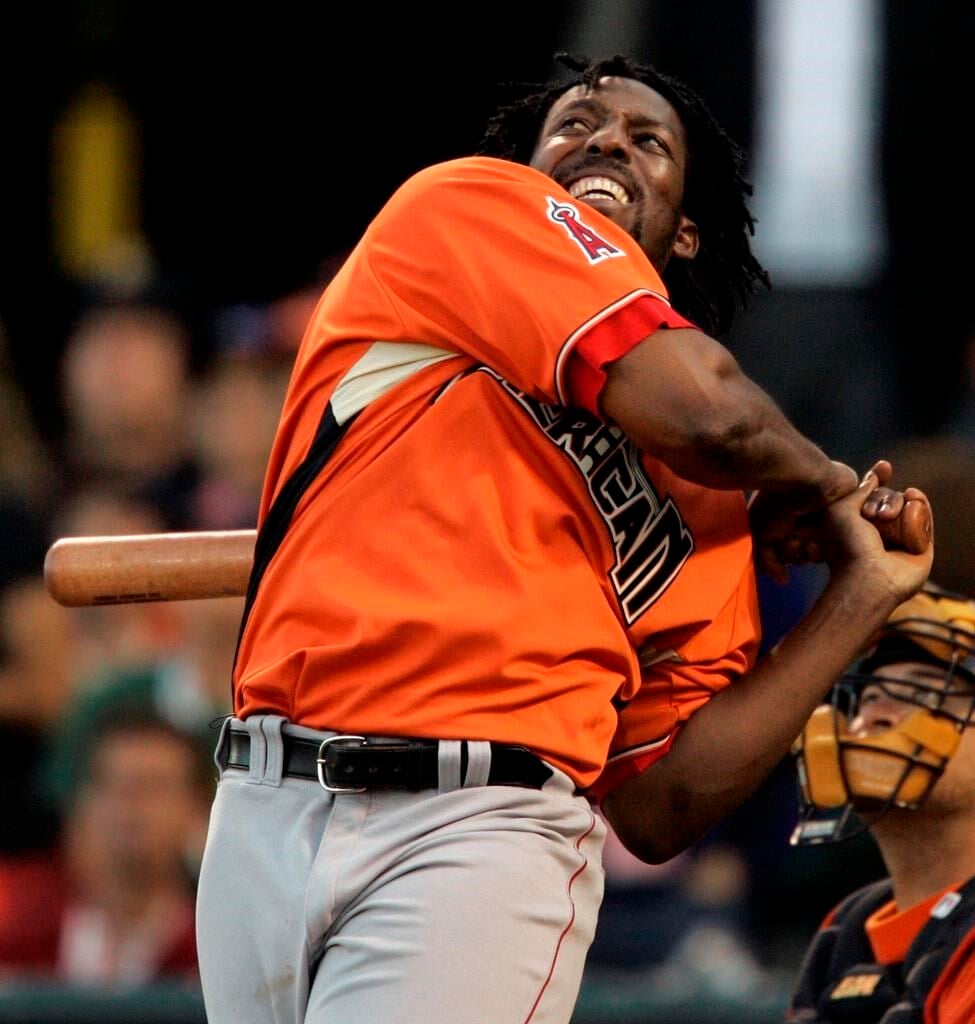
(849, 776)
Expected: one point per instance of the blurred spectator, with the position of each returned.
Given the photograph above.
(185, 682)
(273, 328)
(113, 905)
(238, 406)
(172, 659)
(34, 668)
(126, 387)
(49, 654)
(239, 400)
(112, 637)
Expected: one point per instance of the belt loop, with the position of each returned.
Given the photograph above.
(273, 749)
(448, 764)
(478, 763)
(221, 753)
(255, 773)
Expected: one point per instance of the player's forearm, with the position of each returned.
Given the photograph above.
(731, 745)
(682, 397)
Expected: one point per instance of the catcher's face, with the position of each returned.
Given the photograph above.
(902, 688)
(898, 693)
(621, 148)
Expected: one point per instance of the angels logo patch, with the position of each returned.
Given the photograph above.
(595, 247)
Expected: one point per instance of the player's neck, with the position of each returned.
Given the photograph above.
(925, 853)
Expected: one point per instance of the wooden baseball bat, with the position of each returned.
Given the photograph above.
(126, 569)
(149, 567)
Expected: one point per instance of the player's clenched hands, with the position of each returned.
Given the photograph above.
(785, 525)
(854, 549)
(815, 537)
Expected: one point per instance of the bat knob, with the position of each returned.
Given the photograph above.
(912, 531)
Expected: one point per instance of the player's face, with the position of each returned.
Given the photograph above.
(621, 149)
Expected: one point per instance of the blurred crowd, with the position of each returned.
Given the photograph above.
(107, 714)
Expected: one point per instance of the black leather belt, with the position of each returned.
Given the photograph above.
(345, 764)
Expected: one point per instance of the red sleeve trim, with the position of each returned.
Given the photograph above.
(610, 338)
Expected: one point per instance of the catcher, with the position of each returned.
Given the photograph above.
(504, 570)
(894, 752)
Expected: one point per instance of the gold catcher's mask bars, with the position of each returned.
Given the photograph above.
(847, 781)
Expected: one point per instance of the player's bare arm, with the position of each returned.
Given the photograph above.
(682, 396)
(727, 748)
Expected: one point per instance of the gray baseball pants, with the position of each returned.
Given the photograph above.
(469, 905)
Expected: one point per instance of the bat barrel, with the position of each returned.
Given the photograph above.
(82, 571)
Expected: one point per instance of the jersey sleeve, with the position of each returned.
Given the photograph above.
(606, 342)
(672, 690)
(494, 260)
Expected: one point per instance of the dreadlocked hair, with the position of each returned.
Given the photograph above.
(719, 281)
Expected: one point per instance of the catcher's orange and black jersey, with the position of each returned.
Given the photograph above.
(481, 556)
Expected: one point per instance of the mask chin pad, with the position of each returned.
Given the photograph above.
(900, 764)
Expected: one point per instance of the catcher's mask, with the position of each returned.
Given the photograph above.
(850, 773)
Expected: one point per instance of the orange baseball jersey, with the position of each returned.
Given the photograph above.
(474, 553)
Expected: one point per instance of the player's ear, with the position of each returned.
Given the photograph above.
(686, 241)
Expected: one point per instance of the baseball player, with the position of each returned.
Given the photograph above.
(504, 571)
(895, 751)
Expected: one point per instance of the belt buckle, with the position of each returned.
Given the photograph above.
(320, 761)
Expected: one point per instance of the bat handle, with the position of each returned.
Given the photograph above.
(912, 531)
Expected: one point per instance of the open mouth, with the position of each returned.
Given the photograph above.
(600, 187)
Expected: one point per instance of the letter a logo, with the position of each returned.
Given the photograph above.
(596, 249)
